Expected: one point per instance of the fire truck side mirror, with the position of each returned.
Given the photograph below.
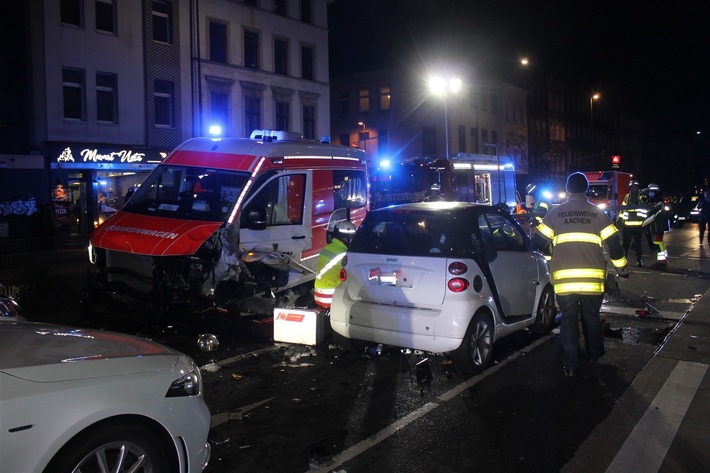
(257, 219)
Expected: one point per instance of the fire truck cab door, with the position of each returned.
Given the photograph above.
(277, 217)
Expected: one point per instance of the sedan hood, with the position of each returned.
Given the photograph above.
(46, 352)
(154, 236)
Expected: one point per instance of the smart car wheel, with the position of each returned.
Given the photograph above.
(546, 312)
(117, 447)
(476, 349)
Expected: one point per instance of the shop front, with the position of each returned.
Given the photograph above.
(90, 183)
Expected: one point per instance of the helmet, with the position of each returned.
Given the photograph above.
(633, 182)
(529, 188)
(344, 230)
(653, 187)
(435, 187)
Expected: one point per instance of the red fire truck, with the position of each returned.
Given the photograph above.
(607, 190)
(232, 216)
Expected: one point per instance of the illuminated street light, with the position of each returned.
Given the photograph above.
(362, 124)
(443, 88)
(594, 97)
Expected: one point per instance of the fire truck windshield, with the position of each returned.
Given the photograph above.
(188, 192)
(598, 191)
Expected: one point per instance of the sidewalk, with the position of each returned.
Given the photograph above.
(73, 258)
(660, 424)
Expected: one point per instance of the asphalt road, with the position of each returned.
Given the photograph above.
(295, 408)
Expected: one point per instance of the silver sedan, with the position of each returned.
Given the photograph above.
(90, 400)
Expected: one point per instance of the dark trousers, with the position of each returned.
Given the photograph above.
(634, 234)
(585, 307)
(701, 225)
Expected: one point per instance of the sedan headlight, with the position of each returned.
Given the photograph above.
(190, 384)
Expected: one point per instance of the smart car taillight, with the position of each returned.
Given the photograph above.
(458, 284)
(457, 268)
(343, 275)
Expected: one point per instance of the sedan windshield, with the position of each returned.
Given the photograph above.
(190, 193)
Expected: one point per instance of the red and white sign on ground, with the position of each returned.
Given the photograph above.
(298, 326)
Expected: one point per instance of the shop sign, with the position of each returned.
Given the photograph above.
(93, 155)
(88, 157)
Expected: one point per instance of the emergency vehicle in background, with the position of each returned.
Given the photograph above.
(466, 177)
(607, 190)
(233, 217)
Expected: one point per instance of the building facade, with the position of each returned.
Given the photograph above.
(393, 113)
(110, 88)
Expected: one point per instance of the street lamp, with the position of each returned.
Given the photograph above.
(443, 87)
(594, 97)
(363, 135)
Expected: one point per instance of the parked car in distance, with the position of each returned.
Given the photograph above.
(9, 309)
(684, 209)
(443, 277)
(77, 399)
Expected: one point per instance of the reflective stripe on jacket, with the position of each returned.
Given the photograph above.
(633, 214)
(328, 271)
(578, 231)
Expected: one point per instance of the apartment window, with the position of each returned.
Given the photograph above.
(344, 104)
(280, 7)
(251, 3)
(484, 139)
(163, 97)
(71, 12)
(162, 21)
(494, 136)
(462, 139)
(307, 11)
(252, 114)
(282, 113)
(429, 140)
(106, 16)
(219, 110)
(309, 122)
(474, 140)
(73, 83)
(383, 140)
(307, 62)
(385, 98)
(106, 97)
(218, 42)
(363, 100)
(344, 139)
(281, 56)
(251, 49)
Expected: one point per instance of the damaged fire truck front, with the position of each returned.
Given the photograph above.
(230, 218)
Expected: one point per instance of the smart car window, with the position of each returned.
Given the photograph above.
(502, 234)
(410, 234)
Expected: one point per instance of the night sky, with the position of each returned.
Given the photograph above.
(651, 58)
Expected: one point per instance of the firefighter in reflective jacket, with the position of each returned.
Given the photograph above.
(656, 225)
(633, 213)
(578, 231)
(329, 263)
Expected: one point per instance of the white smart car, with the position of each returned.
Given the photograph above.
(443, 277)
(76, 399)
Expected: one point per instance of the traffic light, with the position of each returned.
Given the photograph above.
(615, 161)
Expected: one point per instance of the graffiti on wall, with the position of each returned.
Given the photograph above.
(21, 206)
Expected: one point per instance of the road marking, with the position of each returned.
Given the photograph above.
(648, 444)
(362, 446)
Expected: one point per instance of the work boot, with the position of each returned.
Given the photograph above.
(639, 263)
